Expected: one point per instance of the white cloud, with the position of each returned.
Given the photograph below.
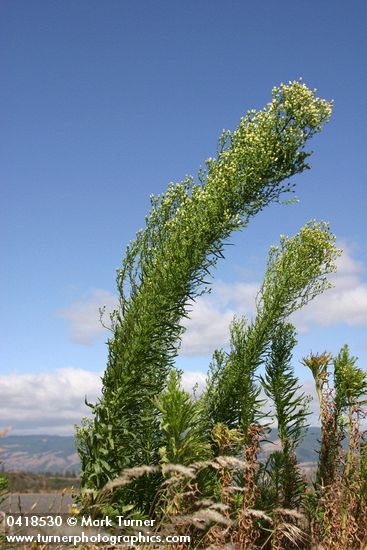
(208, 326)
(345, 303)
(210, 316)
(52, 402)
(84, 318)
(206, 329)
(47, 402)
(192, 378)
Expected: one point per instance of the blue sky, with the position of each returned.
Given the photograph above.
(104, 103)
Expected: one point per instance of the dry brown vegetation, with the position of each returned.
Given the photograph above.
(235, 501)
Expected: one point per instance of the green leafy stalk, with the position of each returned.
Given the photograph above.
(232, 393)
(296, 273)
(168, 264)
(182, 439)
(290, 411)
(350, 393)
(338, 406)
(340, 488)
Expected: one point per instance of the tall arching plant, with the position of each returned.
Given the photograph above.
(167, 266)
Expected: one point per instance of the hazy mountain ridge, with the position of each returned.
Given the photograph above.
(307, 450)
(39, 453)
(57, 454)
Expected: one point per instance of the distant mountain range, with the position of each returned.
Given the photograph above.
(39, 454)
(307, 450)
(57, 454)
